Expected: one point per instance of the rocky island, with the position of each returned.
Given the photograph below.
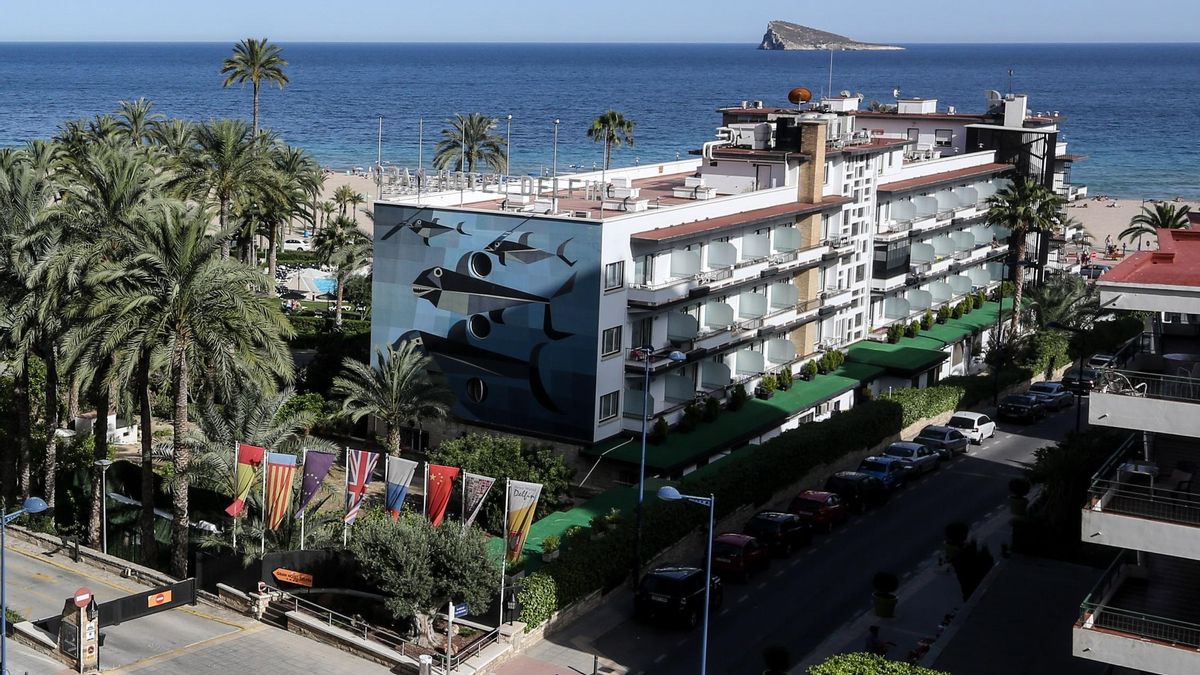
(784, 35)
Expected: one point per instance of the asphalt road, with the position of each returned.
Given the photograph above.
(802, 599)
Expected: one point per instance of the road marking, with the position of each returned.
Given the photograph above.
(760, 585)
(744, 597)
(682, 641)
(218, 639)
(778, 573)
(660, 658)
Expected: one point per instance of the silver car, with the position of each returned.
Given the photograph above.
(1053, 394)
(916, 457)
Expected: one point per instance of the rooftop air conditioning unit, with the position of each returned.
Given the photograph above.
(581, 214)
(758, 104)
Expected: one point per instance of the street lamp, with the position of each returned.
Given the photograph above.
(507, 146)
(103, 465)
(645, 354)
(1079, 372)
(32, 505)
(670, 494)
(554, 198)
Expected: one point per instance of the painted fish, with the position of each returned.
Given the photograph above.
(425, 229)
(463, 294)
(522, 252)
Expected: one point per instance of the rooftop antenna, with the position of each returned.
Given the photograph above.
(829, 92)
(1010, 76)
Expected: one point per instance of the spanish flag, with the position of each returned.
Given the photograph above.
(281, 468)
(249, 458)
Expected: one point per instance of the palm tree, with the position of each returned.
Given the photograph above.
(343, 196)
(136, 120)
(326, 209)
(398, 391)
(1149, 221)
(296, 179)
(470, 136)
(175, 137)
(613, 130)
(346, 249)
(1066, 299)
(255, 61)
(228, 166)
(1024, 206)
(356, 199)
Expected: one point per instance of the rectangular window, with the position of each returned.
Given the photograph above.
(608, 405)
(643, 270)
(914, 134)
(643, 332)
(611, 341)
(614, 275)
(943, 138)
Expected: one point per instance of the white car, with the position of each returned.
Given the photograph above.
(1101, 361)
(973, 425)
(295, 245)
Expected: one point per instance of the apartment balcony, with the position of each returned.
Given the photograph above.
(1143, 614)
(893, 231)
(894, 282)
(776, 320)
(833, 299)
(839, 246)
(1147, 401)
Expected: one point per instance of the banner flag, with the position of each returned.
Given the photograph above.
(360, 464)
(522, 502)
(441, 484)
(475, 490)
(316, 467)
(249, 458)
(398, 475)
(281, 469)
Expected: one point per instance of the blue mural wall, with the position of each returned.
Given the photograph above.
(505, 305)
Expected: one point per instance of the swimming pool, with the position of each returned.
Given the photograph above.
(325, 284)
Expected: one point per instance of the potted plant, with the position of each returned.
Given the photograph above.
(712, 409)
(658, 433)
(599, 526)
(809, 370)
(766, 387)
(785, 379)
(1018, 502)
(913, 329)
(573, 535)
(738, 397)
(927, 320)
(614, 516)
(894, 333)
(692, 415)
(957, 311)
(885, 585)
(550, 547)
(943, 314)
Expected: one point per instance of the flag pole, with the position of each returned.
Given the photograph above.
(346, 482)
(235, 491)
(425, 498)
(262, 540)
(463, 503)
(504, 557)
(303, 461)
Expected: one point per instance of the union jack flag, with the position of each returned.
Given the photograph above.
(360, 464)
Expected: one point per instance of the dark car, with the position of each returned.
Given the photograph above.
(890, 470)
(1022, 408)
(675, 593)
(781, 532)
(946, 441)
(822, 510)
(739, 555)
(857, 490)
(1080, 382)
(1053, 394)
(1094, 271)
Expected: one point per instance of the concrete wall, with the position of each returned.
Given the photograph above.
(1144, 414)
(1131, 652)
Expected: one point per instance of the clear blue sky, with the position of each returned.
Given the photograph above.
(609, 21)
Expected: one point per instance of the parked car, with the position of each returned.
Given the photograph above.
(295, 245)
(1080, 381)
(821, 510)
(1094, 271)
(945, 441)
(1021, 407)
(918, 458)
(781, 532)
(857, 490)
(739, 555)
(675, 593)
(1053, 394)
(887, 469)
(1099, 361)
(975, 426)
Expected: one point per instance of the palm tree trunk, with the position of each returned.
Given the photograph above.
(181, 459)
(100, 451)
(146, 421)
(222, 212)
(21, 394)
(393, 440)
(255, 110)
(73, 403)
(607, 153)
(272, 243)
(51, 459)
(1018, 278)
(337, 307)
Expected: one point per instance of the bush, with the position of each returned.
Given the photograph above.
(913, 329)
(737, 399)
(894, 333)
(809, 369)
(919, 404)
(712, 409)
(943, 314)
(693, 414)
(868, 664)
(599, 524)
(767, 383)
(660, 430)
(957, 312)
(927, 320)
(977, 300)
(305, 258)
(538, 598)
(785, 378)
(551, 543)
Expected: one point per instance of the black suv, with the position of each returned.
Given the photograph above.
(857, 490)
(781, 532)
(675, 593)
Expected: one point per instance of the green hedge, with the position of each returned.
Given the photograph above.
(920, 404)
(311, 331)
(308, 258)
(861, 663)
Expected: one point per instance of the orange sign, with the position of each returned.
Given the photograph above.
(158, 599)
(293, 577)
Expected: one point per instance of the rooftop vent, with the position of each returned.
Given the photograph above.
(758, 104)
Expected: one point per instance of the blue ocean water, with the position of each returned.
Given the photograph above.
(1129, 107)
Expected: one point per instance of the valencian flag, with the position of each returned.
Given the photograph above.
(281, 469)
(522, 502)
(249, 458)
(441, 484)
(360, 464)
(475, 490)
(316, 467)
(398, 475)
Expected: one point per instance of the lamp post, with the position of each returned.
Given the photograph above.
(507, 146)
(103, 465)
(645, 353)
(670, 494)
(1079, 369)
(32, 505)
(554, 185)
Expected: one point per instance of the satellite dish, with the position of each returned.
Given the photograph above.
(992, 95)
(800, 95)
(845, 93)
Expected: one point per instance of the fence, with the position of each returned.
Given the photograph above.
(352, 625)
(1095, 612)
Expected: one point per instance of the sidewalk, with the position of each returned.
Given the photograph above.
(572, 651)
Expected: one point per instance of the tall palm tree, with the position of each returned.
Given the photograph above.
(345, 248)
(1022, 207)
(208, 313)
(228, 166)
(1066, 299)
(613, 130)
(356, 199)
(294, 180)
(343, 196)
(398, 391)
(470, 136)
(174, 137)
(326, 209)
(136, 120)
(255, 61)
(1162, 216)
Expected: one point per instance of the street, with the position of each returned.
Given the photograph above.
(801, 600)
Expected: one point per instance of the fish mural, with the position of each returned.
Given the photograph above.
(520, 250)
(426, 229)
(462, 293)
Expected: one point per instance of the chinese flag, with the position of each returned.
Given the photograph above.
(441, 484)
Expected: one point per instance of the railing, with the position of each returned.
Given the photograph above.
(712, 276)
(1095, 613)
(895, 227)
(1108, 493)
(474, 648)
(1149, 385)
(355, 626)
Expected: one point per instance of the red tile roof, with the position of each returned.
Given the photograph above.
(1175, 263)
(943, 177)
(744, 218)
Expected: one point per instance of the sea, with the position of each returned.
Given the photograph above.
(1130, 108)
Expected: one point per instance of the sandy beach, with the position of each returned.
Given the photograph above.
(1107, 217)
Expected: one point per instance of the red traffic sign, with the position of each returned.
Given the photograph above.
(83, 597)
(158, 599)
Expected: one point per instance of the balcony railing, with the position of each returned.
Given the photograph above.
(1095, 612)
(1126, 485)
(1149, 385)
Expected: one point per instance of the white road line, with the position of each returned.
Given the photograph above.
(744, 597)
(760, 585)
(660, 658)
(778, 573)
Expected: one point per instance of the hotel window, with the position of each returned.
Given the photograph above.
(643, 332)
(942, 138)
(610, 342)
(614, 275)
(608, 405)
(643, 270)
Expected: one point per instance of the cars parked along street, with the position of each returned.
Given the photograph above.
(1021, 408)
(1080, 382)
(946, 441)
(822, 510)
(887, 469)
(737, 556)
(975, 426)
(918, 458)
(858, 491)
(781, 532)
(1053, 394)
(675, 593)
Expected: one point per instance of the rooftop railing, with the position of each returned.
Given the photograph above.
(1128, 486)
(1149, 385)
(1097, 612)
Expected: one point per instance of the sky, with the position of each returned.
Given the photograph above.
(729, 21)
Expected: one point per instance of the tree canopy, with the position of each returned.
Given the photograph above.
(868, 664)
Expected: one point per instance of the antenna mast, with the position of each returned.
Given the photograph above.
(830, 91)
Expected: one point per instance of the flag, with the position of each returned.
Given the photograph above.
(441, 484)
(316, 467)
(249, 457)
(522, 502)
(360, 464)
(281, 469)
(475, 490)
(398, 475)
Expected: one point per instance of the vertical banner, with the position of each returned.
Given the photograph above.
(522, 502)
(360, 464)
(475, 491)
(440, 485)
(249, 458)
(281, 469)
(398, 475)
(316, 467)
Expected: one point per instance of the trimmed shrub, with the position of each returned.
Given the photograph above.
(712, 409)
(551, 543)
(913, 329)
(658, 433)
(768, 383)
(785, 378)
(738, 397)
(810, 369)
(927, 320)
(894, 333)
(919, 404)
(693, 414)
(538, 598)
(943, 314)
(957, 311)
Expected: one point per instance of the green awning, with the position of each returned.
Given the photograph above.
(906, 358)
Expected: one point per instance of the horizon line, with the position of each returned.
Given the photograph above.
(50, 41)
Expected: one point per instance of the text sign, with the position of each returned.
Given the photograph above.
(83, 596)
(293, 577)
(156, 599)
(460, 611)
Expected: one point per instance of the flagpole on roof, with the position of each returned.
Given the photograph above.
(346, 481)
(303, 461)
(425, 497)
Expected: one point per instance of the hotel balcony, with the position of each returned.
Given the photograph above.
(688, 279)
(1144, 614)
(894, 230)
(1148, 401)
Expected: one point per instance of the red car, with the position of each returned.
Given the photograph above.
(822, 510)
(737, 555)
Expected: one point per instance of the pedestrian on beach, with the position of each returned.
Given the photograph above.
(1124, 248)
(1108, 243)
